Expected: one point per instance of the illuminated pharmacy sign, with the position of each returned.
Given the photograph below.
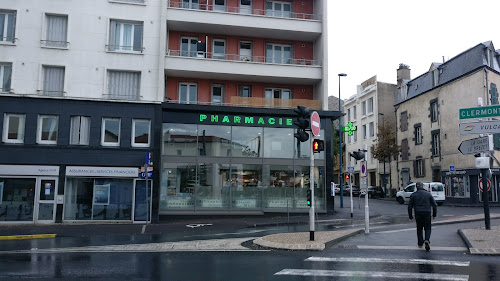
(223, 119)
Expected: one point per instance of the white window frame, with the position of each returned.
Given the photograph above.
(348, 115)
(41, 119)
(103, 130)
(44, 91)
(2, 77)
(20, 129)
(281, 59)
(355, 134)
(273, 12)
(221, 86)
(83, 131)
(135, 2)
(419, 167)
(246, 9)
(434, 111)
(418, 134)
(372, 129)
(219, 56)
(191, 4)
(134, 123)
(274, 90)
(435, 142)
(55, 44)
(128, 94)
(363, 108)
(190, 53)
(246, 57)
(5, 31)
(121, 47)
(365, 133)
(354, 113)
(220, 8)
(187, 99)
(369, 106)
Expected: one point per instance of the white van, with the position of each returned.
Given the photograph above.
(436, 188)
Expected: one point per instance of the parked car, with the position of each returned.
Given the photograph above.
(435, 188)
(374, 192)
(336, 188)
(356, 190)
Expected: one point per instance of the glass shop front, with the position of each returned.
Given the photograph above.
(256, 167)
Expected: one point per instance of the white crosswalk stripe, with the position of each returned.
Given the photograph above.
(380, 274)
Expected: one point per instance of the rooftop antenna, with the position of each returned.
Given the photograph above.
(443, 59)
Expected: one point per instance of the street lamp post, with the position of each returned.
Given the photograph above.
(340, 149)
(383, 138)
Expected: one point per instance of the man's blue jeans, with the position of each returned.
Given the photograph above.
(423, 220)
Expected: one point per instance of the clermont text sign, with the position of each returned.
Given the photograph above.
(479, 112)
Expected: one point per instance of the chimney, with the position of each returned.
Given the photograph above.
(403, 72)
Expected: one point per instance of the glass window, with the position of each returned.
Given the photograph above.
(435, 144)
(47, 129)
(80, 130)
(278, 9)
(246, 91)
(220, 5)
(5, 77)
(124, 85)
(189, 46)
(17, 196)
(419, 166)
(276, 53)
(370, 106)
(354, 114)
(363, 108)
(125, 36)
(279, 143)
(178, 182)
(276, 93)
(56, 33)
(246, 186)
(13, 128)
(278, 184)
(214, 188)
(434, 111)
(365, 133)
(188, 93)
(349, 115)
(418, 134)
(246, 50)
(7, 26)
(457, 186)
(110, 132)
(219, 49)
(141, 131)
(372, 129)
(217, 94)
(179, 139)
(190, 4)
(247, 142)
(214, 140)
(53, 81)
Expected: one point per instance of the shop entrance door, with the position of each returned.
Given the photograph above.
(45, 200)
(142, 201)
(492, 193)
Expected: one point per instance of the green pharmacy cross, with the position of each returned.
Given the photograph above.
(349, 129)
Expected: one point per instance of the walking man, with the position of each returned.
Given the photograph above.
(422, 201)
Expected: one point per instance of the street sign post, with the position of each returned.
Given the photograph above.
(315, 124)
(363, 169)
(477, 145)
(483, 127)
(479, 112)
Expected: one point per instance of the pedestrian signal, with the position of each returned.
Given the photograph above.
(309, 197)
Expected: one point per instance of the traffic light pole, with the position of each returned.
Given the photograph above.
(311, 186)
(350, 191)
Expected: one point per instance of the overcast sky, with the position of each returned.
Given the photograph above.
(368, 37)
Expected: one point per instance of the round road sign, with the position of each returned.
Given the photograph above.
(315, 125)
(481, 184)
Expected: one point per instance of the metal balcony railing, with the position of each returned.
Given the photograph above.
(51, 93)
(8, 39)
(55, 44)
(125, 49)
(241, 10)
(242, 58)
(257, 102)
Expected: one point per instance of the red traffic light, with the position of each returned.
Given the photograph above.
(346, 176)
(318, 146)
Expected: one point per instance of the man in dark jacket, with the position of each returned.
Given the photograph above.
(422, 201)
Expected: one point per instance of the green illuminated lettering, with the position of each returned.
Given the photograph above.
(202, 117)
(215, 118)
(271, 121)
(237, 119)
(248, 120)
(289, 122)
(281, 121)
(225, 119)
(261, 121)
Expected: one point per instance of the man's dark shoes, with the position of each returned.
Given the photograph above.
(427, 246)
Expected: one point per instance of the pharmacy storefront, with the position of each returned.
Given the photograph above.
(236, 161)
(28, 194)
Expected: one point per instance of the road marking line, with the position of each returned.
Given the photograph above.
(397, 230)
(31, 236)
(378, 260)
(366, 247)
(374, 274)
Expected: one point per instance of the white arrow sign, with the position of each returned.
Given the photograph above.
(483, 127)
(476, 145)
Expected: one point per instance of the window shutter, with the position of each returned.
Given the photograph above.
(415, 174)
(404, 149)
(137, 38)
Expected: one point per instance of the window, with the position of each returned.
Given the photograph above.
(5, 77)
(190, 4)
(246, 6)
(13, 128)
(246, 51)
(419, 168)
(369, 109)
(80, 130)
(219, 49)
(365, 133)
(53, 81)
(47, 129)
(110, 132)
(272, 93)
(141, 131)
(189, 46)
(363, 108)
(276, 53)
(130, 1)
(372, 130)
(217, 94)
(404, 121)
(435, 77)
(56, 33)
(418, 134)
(278, 9)
(246, 91)
(188, 93)
(125, 36)
(349, 115)
(349, 139)
(354, 113)
(220, 5)
(7, 26)
(124, 85)
(435, 143)
(355, 136)
(404, 150)
(434, 110)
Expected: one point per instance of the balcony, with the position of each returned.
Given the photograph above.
(234, 20)
(243, 68)
(237, 101)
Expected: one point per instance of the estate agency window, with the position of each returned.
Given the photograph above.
(457, 186)
(17, 196)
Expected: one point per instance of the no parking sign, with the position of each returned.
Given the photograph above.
(363, 169)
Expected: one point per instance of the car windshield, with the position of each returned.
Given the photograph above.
(437, 187)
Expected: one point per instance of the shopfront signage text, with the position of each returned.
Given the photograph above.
(245, 120)
(102, 171)
(479, 112)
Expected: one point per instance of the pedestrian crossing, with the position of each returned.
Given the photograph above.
(423, 272)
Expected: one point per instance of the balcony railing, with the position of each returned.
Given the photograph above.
(55, 44)
(243, 58)
(125, 49)
(258, 102)
(241, 10)
(51, 93)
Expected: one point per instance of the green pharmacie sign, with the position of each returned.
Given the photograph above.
(479, 112)
(222, 119)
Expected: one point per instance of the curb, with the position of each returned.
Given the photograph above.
(465, 239)
(477, 251)
(31, 236)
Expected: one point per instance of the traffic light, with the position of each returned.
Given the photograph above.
(302, 123)
(309, 199)
(318, 146)
(346, 177)
(358, 155)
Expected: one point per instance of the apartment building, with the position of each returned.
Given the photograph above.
(371, 107)
(207, 88)
(427, 112)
